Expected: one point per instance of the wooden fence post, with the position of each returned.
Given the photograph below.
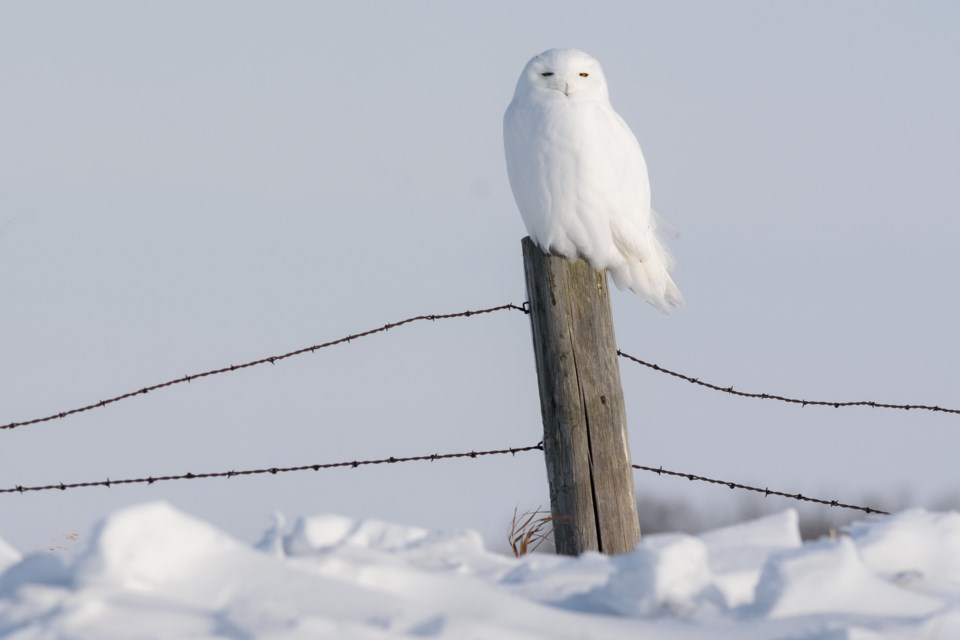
(581, 400)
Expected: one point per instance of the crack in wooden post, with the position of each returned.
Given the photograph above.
(581, 401)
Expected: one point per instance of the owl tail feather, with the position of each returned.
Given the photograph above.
(672, 294)
(657, 288)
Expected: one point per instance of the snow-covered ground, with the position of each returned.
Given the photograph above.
(153, 572)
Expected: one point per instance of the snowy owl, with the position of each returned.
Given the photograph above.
(579, 177)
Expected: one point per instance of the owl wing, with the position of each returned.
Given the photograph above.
(626, 187)
(641, 261)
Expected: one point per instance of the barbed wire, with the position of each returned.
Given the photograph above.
(270, 359)
(272, 470)
(353, 464)
(462, 314)
(765, 491)
(770, 396)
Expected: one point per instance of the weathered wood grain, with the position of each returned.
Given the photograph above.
(581, 400)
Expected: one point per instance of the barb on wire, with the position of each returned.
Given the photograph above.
(269, 359)
(60, 486)
(770, 396)
(765, 491)
(353, 464)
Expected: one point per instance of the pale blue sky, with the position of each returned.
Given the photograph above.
(186, 185)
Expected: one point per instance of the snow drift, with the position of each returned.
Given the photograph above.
(153, 572)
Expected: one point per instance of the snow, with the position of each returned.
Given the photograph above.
(736, 559)
(151, 571)
(8, 555)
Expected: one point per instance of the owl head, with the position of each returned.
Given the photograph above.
(563, 74)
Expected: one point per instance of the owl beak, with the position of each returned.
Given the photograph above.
(561, 86)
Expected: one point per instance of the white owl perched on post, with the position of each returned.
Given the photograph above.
(579, 177)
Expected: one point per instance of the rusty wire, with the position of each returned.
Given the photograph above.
(765, 491)
(269, 359)
(770, 396)
(272, 470)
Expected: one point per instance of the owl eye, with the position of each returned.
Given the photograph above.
(547, 74)
(584, 74)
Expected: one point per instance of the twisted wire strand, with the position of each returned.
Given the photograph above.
(465, 314)
(765, 491)
(260, 361)
(770, 396)
(354, 464)
(61, 486)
